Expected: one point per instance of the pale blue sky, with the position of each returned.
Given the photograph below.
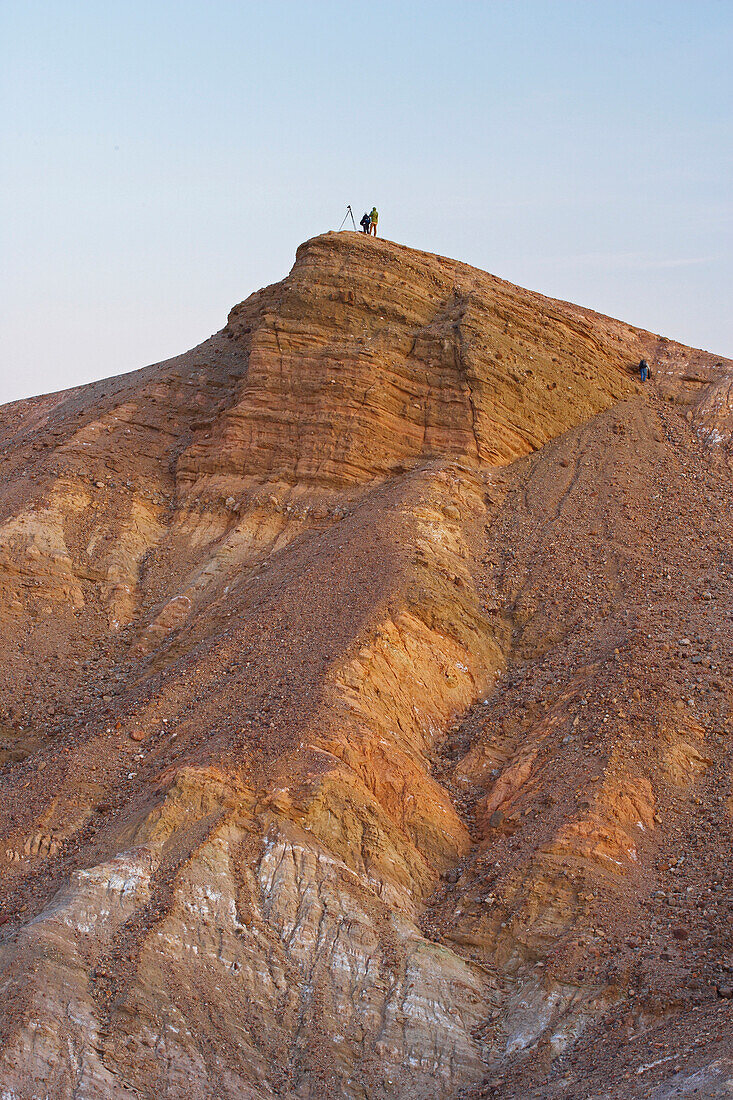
(161, 160)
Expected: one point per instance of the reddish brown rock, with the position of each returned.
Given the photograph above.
(348, 744)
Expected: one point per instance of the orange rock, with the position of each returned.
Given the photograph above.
(402, 556)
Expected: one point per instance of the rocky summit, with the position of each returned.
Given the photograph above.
(365, 705)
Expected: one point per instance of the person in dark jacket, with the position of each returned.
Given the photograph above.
(365, 223)
(643, 370)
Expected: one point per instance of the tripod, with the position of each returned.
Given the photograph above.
(348, 214)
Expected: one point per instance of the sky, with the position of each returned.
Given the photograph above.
(161, 160)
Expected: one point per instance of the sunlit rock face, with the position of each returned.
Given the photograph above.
(365, 699)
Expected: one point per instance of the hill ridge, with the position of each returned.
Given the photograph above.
(365, 676)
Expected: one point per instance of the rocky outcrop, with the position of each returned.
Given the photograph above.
(365, 704)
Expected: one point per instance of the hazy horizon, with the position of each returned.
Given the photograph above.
(162, 163)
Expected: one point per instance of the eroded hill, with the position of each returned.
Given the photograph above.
(365, 703)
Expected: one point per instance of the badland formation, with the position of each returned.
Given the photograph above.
(365, 705)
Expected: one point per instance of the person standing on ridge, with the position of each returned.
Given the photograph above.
(373, 219)
(643, 370)
(365, 223)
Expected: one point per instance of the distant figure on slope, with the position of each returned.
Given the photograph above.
(643, 370)
(373, 219)
(365, 223)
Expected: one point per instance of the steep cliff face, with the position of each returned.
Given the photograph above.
(365, 700)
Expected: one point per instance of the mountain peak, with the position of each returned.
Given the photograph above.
(365, 703)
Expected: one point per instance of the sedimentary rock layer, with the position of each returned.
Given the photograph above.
(365, 704)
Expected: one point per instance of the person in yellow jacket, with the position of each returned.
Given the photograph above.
(373, 219)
